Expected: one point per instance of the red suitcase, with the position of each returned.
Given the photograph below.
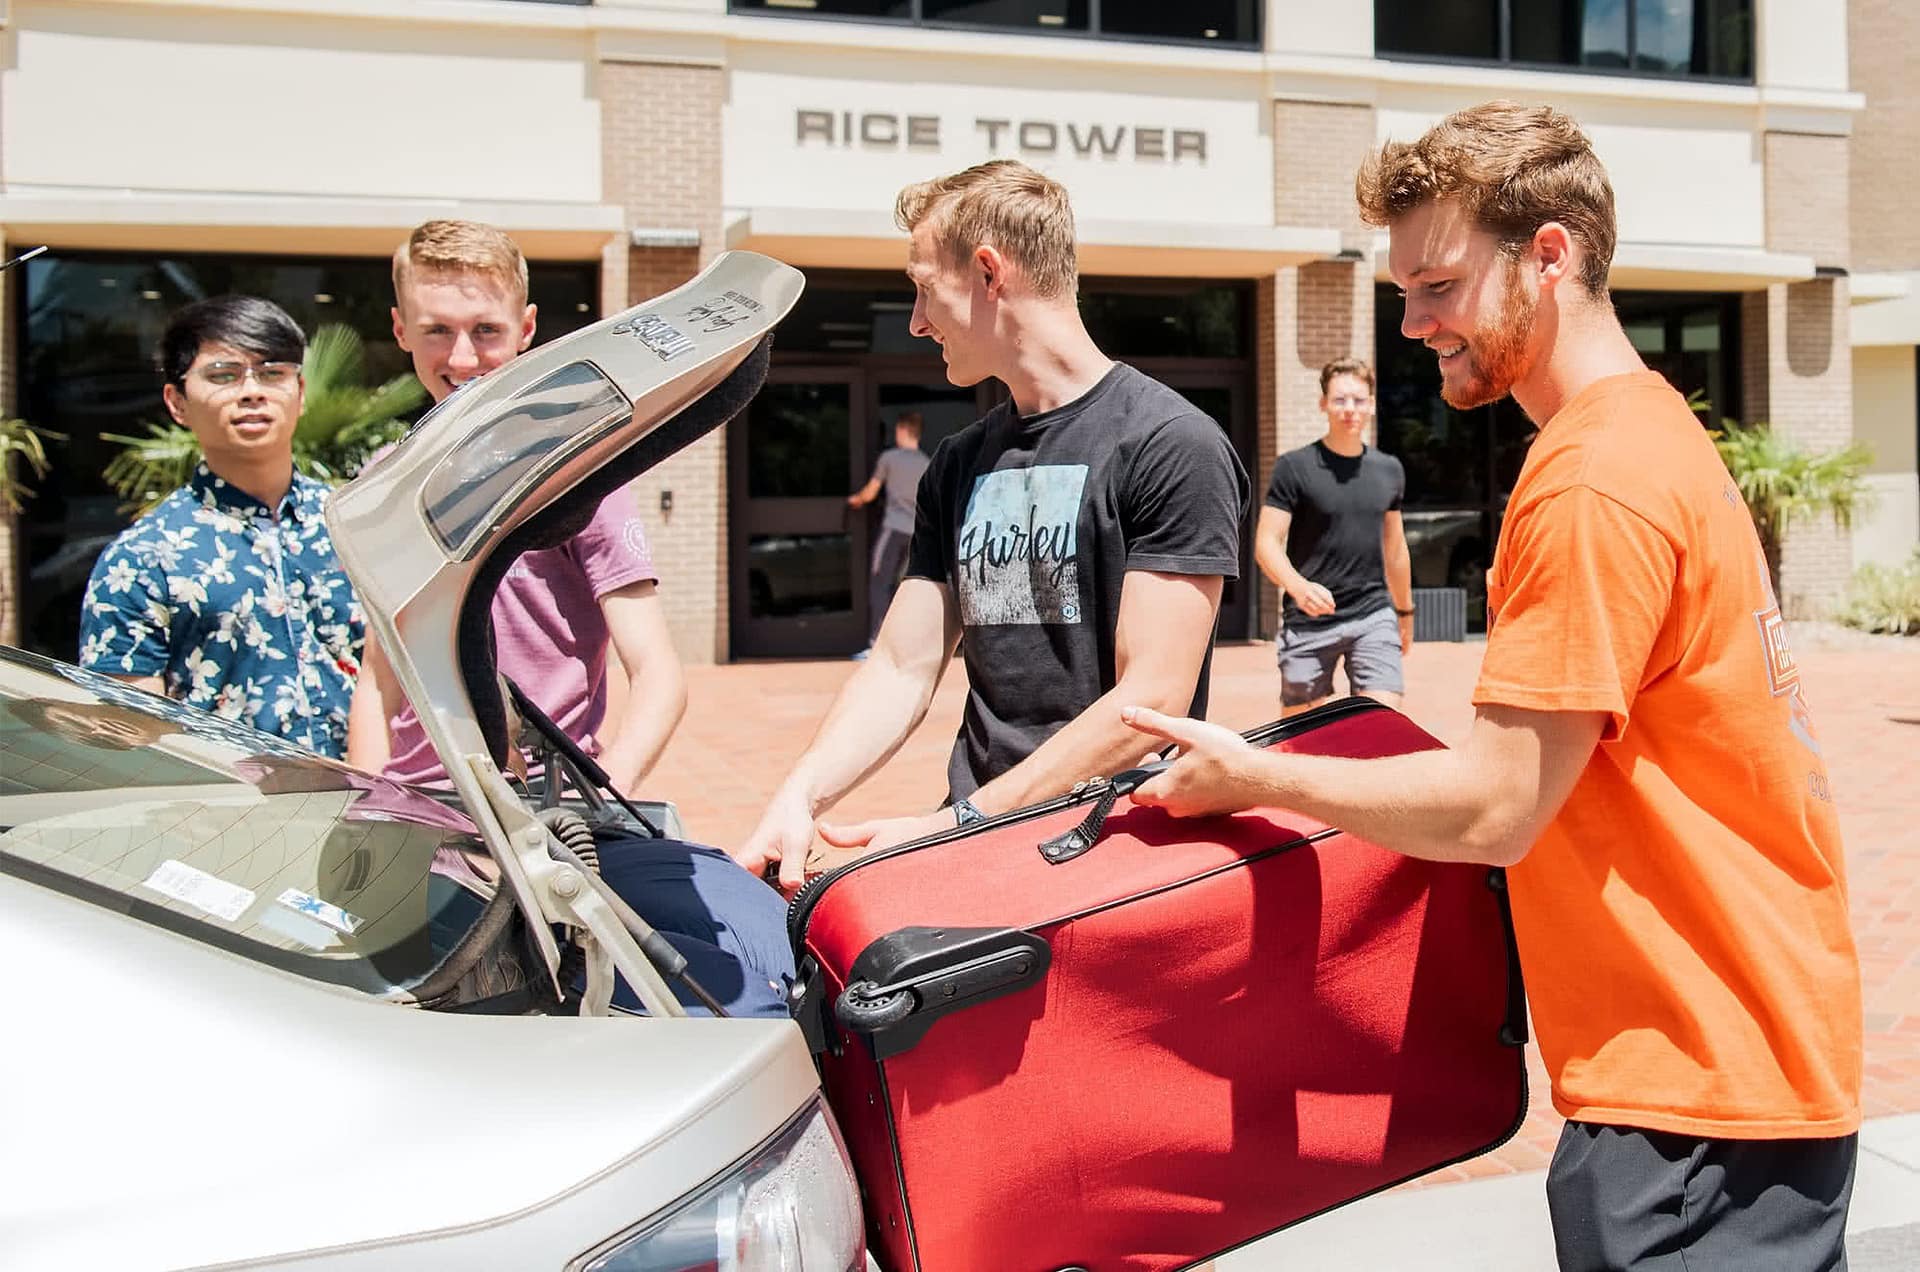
(1069, 1038)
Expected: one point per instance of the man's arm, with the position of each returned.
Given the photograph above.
(123, 624)
(866, 494)
(1164, 630)
(881, 703)
(656, 693)
(1487, 801)
(1399, 564)
(369, 746)
(1270, 554)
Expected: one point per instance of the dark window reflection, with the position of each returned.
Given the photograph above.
(797, 441)
(1042, 15)
(856, 314)
(836, 8)
(1438, 28)
(790, 574)
(1234, 21)
(1652, 37)
(851, 317)
(1191, 321)
(89, 322)
(1692, 339)
(1572, 33)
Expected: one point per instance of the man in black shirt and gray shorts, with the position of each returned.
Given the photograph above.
(1331, 539)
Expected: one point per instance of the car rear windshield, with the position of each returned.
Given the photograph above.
(194, 823)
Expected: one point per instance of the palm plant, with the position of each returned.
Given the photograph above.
(21, 440)
(342, 422)
(1783, 484)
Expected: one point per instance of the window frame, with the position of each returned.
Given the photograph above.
(916, 20)
(1505, 58)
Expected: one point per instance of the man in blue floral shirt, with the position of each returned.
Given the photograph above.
(227, 596)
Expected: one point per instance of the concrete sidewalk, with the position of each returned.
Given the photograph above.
(1502, 1223)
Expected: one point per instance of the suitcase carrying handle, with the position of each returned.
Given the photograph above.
(1065, 847)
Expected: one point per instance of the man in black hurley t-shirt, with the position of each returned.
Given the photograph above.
(1331, 539)
(1078, 535)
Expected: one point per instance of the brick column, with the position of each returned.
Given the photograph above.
(1308, 315)
(660, 140)
(1796, 352)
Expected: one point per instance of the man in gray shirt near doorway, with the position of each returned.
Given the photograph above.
(897, 473)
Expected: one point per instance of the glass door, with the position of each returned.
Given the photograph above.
(798, 552)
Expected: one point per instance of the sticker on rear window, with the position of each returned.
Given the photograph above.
(200, 890)
(325, 911)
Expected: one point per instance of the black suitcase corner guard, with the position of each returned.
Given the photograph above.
(911, 977)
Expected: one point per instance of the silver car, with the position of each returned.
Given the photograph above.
(272, 1011)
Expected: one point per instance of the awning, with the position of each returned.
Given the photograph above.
(175, 221)
(1886, 308)
(1683, 267)
(815, 238)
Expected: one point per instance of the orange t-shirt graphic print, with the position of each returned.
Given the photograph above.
(1683, 920)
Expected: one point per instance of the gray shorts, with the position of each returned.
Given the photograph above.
(1370, 643)
(1621, 1197)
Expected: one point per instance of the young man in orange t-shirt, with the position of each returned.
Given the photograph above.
(1642, 757)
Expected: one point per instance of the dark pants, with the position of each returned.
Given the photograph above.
(1627, 1198)
(888, 562)
(730, 926)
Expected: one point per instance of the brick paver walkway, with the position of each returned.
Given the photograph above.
(746, 722)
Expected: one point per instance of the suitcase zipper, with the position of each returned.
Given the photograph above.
(1093, 788)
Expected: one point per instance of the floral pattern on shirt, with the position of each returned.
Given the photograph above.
(242, 610)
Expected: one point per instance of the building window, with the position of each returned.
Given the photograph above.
(852, 315)
(1226, 22)
(1705, 39)
(89, 324)
(1462, 465)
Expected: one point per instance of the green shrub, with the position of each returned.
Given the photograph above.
(1885, 599)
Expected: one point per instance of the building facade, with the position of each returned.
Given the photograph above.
(165, 150)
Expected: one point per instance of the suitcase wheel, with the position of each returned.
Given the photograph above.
(862, 1013)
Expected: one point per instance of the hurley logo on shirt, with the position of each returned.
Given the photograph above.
(1015, 556)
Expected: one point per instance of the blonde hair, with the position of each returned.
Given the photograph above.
(1512, 168)
(460, 247)
(1004, 204)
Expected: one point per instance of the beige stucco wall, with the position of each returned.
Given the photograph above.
(1884, 411)
(1111, 136)
(178, 98)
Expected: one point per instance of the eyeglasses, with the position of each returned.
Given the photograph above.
(224, 379)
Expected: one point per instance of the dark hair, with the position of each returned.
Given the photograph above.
(909, 420)
(1355, 367)
(248, 323)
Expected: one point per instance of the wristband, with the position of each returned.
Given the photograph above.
(965, 814)
(1404, 613)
